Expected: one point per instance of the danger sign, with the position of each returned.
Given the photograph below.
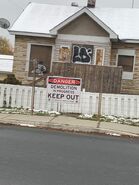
(63, 88)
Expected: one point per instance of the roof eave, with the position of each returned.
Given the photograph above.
(134, 41)
(6, 72)
(12, 32)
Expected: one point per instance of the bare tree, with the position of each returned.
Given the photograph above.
(5, 46)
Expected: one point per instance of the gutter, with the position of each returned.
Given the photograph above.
(134, 41)
(12, 32)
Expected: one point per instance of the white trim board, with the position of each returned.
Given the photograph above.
(31, 34)
(83, 38)
(126, 52)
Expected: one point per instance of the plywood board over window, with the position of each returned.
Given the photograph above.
(42, 54)
(64, 53)
(99, 56)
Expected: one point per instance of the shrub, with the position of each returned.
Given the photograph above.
(11, 80)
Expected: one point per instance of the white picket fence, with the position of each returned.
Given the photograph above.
(112, 104)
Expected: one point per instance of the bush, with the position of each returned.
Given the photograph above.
(11, 80)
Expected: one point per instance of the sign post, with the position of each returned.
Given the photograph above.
(64, 88)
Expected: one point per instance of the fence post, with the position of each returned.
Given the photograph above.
(100, 98)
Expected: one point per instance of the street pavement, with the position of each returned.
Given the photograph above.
(32, 156)
(71, 124)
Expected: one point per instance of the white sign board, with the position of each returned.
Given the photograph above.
(63, 88)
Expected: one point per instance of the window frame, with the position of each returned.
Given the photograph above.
(70, 50)
(28, 56)
(127, 52)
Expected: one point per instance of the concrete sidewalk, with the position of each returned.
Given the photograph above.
(67, 123)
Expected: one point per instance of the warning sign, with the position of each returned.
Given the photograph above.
(63, 88)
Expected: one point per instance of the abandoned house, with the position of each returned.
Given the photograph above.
(74, 40)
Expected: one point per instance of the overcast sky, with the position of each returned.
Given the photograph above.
(11, 9)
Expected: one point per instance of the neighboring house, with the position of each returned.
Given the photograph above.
(6, 65)
(78, 35)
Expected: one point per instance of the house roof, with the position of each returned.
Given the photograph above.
(89, 13)
(123, 21)
(41, 18)
(44, 19)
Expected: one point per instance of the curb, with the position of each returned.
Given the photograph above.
(68, 128)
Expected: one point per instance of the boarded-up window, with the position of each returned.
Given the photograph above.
(64, 53)
(126, 58)
(99, 56)
(42, 54)
(126, 62)
(82, 54)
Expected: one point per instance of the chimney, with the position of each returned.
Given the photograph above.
(74, 4)
(91, 3)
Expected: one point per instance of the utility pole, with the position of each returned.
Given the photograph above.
(37, 69)
(132, 3)
(33, 85)
(100, 97)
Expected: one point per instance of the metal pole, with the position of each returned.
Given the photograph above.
(100, 98)
(132, 3)
(33, 86)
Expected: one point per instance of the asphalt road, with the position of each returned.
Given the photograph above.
(39, 157)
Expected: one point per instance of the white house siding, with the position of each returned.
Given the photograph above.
(6, 65)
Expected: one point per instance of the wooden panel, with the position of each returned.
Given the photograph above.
(91, 76)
